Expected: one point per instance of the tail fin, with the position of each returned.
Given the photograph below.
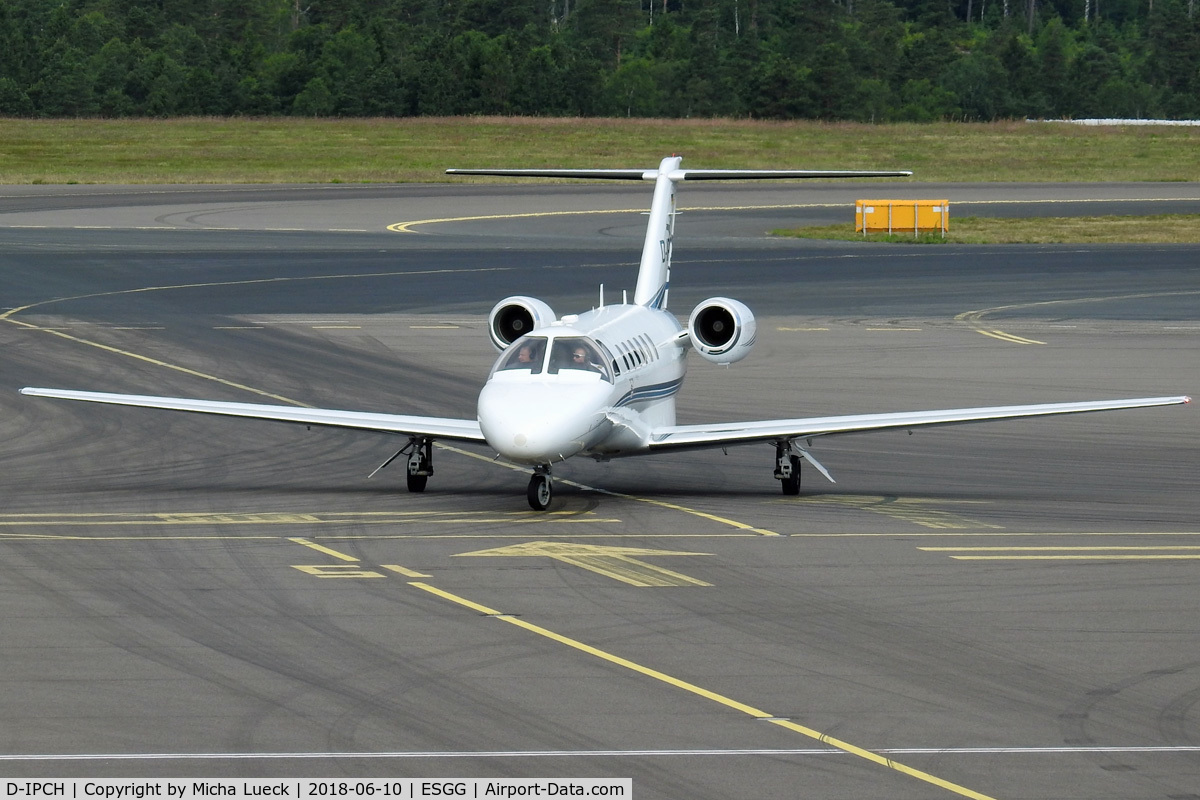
(654, 272)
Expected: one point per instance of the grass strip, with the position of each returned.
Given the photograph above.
(301, 150)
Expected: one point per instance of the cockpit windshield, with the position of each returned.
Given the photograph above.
(555, 356)
(528, 352)
(577, 353)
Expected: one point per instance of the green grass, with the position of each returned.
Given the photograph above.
(291, 150)
(1158, 229)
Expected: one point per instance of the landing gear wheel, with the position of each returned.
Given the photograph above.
(420, 464)
(541, 492)
(791, 484)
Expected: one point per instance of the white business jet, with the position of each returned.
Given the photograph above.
(602, 383)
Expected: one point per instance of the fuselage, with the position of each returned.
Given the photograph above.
(591, 384)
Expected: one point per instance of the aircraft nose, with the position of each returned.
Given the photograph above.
(538, 424)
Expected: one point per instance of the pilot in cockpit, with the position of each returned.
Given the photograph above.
(582, 358)
(527, 354)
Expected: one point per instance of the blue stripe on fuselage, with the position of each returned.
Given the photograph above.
(654, 392)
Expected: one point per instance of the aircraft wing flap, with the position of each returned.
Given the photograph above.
(724, 434)
(464, 430)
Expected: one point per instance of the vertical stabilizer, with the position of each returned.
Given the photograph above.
(654, 272)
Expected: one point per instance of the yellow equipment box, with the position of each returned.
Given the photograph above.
(901, 216)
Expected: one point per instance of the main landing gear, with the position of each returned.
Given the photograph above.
(541, 489)
(420, 462)
(787, 468)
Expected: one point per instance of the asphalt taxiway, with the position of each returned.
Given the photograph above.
(1004, 610)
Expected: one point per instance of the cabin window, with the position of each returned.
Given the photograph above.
(607, 355)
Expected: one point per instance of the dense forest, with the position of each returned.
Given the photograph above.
(866, 60)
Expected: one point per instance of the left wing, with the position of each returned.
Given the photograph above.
(681, 437)
(462, 430)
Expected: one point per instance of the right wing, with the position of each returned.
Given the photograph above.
(462, 430)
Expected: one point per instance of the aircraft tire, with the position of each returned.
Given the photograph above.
(541, 492)
(416, 483)
(791, 486)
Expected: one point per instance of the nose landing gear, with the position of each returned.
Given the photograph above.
(541, 489)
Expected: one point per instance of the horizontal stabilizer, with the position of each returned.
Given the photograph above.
(684, 174)
(600, 174)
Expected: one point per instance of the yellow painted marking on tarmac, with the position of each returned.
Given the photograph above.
(377, 537)
(882, 760)
(1071, 553)
(288, 518)
(7, 316)
(662, 504)
(322, 549)
(10, 313)
(1048, 548)
(462, 601)
(1008, 337)
(156, 362)
(676, 507)
(907, 509)
(1000, 534)
(176, 518)
(405, 571)
(51, 537)
(1110, 557)
(338, 571)
(715, 697)
(614, 562)
(407, 227)
(975, 318)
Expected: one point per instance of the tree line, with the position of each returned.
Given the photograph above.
(865, 60)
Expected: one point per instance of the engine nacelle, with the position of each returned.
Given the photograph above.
(722, 330)
(513, 317)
